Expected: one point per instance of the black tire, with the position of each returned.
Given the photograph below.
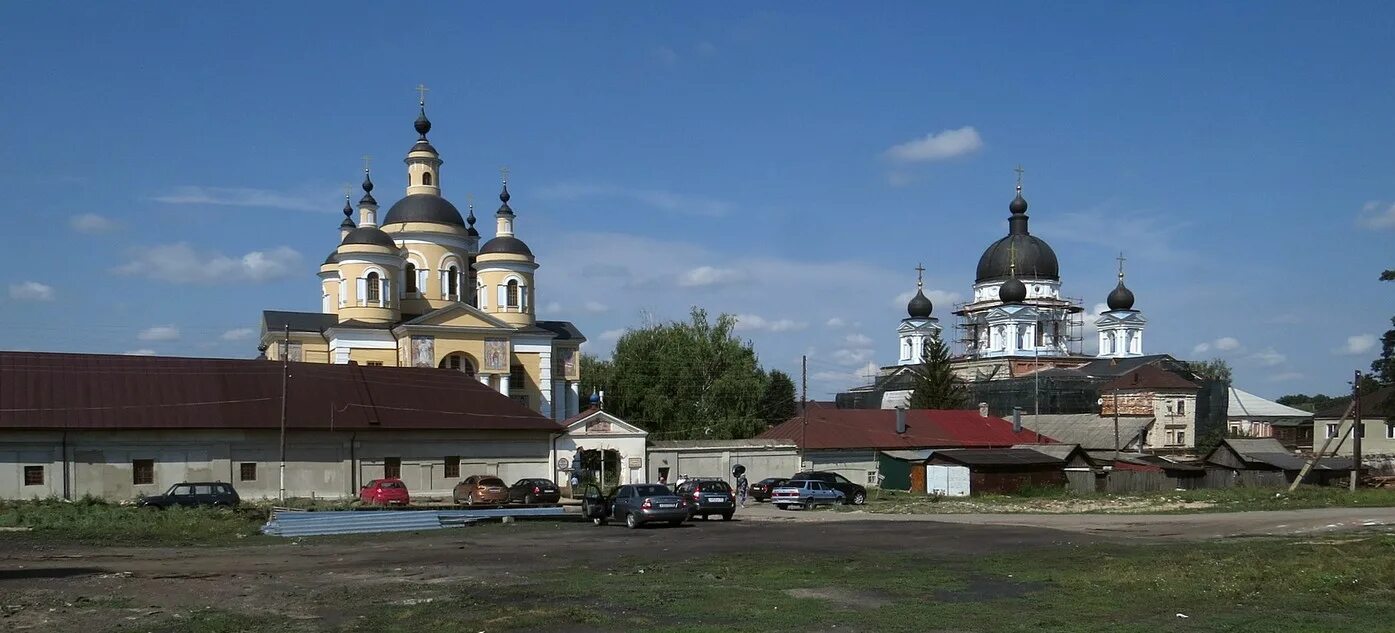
(809, 503)
(782, 506)
(726, 516)
(599, 520)
(631, 522)
(859, 498)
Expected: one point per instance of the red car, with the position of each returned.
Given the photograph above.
(384, 492)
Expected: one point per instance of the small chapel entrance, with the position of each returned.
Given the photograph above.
(600, 466)
(459, 362)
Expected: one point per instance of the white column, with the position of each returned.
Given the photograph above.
(484, 379)
(504, 384)
(559, 396)
(573, 397)
(545, 384)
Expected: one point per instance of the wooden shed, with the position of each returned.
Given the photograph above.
(1004, 470)
(1265, 462)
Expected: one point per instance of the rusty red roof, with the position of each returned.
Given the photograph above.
(96, 391)
(876, 429)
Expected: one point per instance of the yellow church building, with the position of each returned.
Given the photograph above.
(419, 290)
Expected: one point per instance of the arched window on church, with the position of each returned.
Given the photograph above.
(458, 362)
(426, 178)
(373, 288)
(512, 295)
(453, 282)
(411, 273)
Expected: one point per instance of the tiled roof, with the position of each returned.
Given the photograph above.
(96, 391)
(876, 428)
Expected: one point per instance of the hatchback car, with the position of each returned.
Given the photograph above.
(853, 493)
(636, 504)
(760, 491)
(806, 493)
(707, 497)
(481, 489)
(384, 492)
(190, 494)
(531, 491)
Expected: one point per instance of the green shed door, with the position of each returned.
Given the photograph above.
(896, 474)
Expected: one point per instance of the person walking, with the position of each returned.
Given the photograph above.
(742, 487)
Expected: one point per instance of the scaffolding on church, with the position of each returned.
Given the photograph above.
(1071, 324)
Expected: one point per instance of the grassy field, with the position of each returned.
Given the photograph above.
(1059, 500)
(1258, 586)
(97, 522)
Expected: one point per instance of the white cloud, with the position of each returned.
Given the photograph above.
(666, 56)
(594, 307)
(853, 355)
(708, 276)
(1285, 376)
(1227, 343)
(860, 376)
(1357, 345)
(551, 307)
(1268, 357)
(706, 48)
(1151, 236)
(858, 338)
(239, 334)
(140, 352)
(835, 322)
(937, 146)
(159, 333)
(180, 263)
(612, 335)
(31, 291)
(667, 201)
(757, 323)
(91, 223)
(1201, 348)
(1377, 215)
(246, 197)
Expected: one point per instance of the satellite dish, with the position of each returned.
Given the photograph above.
(738, 470)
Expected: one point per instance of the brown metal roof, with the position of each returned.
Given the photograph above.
(876, 428)
(995, 457)
(95, 391)
(1148, 377)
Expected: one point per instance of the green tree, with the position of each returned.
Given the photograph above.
(935, 385)
(596, 376)
(1214, 369)
(1384, 367)
(685, 380)
(778, 404)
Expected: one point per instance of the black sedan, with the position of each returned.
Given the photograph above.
(760, 491)
(190, 494)
(635, 504)
(531, 491)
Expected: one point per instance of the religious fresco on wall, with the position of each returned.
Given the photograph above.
(423, 351)
(496, 356)
(569, 368)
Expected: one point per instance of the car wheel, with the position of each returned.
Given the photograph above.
(809, 504)
(782, 506)
(859, 498)
(630, 521)
(470, 499)
(598, 520)
(726, 516)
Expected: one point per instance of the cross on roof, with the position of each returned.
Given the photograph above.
(1121, 264)
(919, 274)
(1019, 171)
(367, 161)
(421, 93)
(504, 173)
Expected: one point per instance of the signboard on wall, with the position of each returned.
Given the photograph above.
(423, 351)
(635, 463)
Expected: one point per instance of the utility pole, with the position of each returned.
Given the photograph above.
(1036, 383)
(1357, 431)
(803, 406)
(1116, 423)
(285, 379)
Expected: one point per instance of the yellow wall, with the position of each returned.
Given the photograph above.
(387, 357)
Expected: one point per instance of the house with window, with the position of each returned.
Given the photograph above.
(870, 445)
(1166, 397)
(119, 426)
(420, 287)
(1377, 424)
(1249, 415)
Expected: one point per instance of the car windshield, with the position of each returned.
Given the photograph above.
(653, 490)
(771, 480)
(491, 481)
(714, 486)
(387, 485)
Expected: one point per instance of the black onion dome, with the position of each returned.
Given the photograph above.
(506, 244)
(424, 207)
(1012, 291)
(1121, 298)
(422, 124)
(920, 306)
(367, 190)
(470, 221)
(1035, 258)
(348, 223)
(504, 208)
(370, 235)
(1018, 205)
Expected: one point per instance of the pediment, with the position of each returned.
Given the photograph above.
(602, 423)
(460, 315)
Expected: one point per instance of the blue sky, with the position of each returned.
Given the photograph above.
(171, 170)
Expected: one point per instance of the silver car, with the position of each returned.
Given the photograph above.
(805, 493)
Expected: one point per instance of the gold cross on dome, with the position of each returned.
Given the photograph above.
(1019, 171)
(1121, 264)
(919, 274)
(421, 93)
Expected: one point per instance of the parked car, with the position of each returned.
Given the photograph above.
(532, 491)
(190, 494)
(707, 497)
(636, 504)
(760, 491)
(384, 492)
(852, 493)
(806, 493)
(481, 489)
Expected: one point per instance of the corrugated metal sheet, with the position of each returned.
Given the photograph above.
(302, 523)
(97, 391)
(909, 456)
(995, 457)
(876, 429)
(1090, 431)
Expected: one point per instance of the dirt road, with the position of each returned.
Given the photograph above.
(48, 586)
